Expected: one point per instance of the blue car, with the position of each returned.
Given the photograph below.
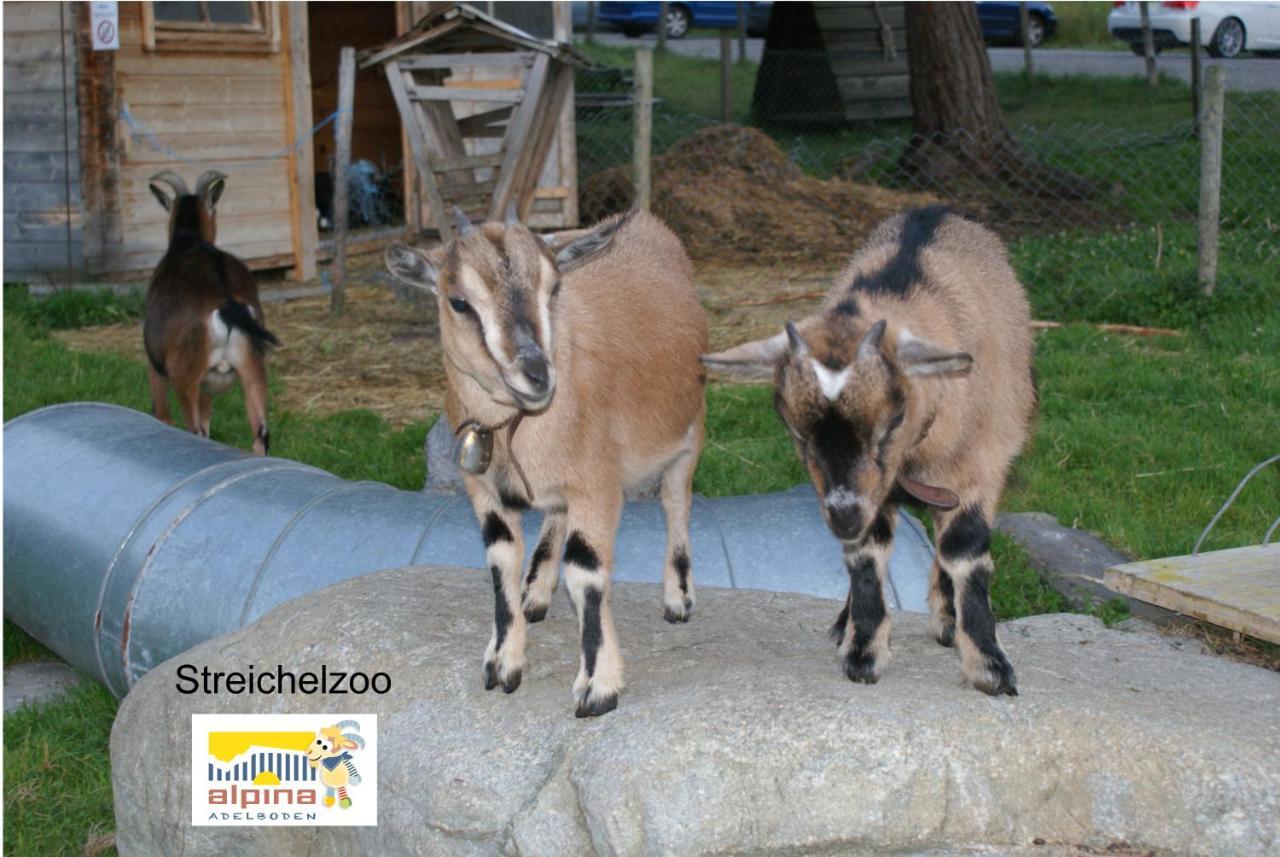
(1000, 23)
(636, 18)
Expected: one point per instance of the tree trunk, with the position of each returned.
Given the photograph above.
(960, 136)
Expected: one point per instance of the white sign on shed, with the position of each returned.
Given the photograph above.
(104, 23)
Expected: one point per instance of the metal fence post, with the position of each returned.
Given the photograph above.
(1196, 95)
(663, 8)
(641, 146)
(1210, 178)
(591, 22)
(742, 31)
(341, 164)
(1024, 19)
(1148, 44)
(726, 76)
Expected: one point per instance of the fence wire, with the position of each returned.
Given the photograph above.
(792, 176)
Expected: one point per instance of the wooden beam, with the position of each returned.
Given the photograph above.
(302, 197)
(388, 53)
(471, 93)
(518, 135)
(466, 162)
(1237, 589)
(540, 140)
(342, 162)
(449, 61)
(485, 124)
(452, 193)
(418, 144)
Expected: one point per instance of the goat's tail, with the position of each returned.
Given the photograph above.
(238, 315)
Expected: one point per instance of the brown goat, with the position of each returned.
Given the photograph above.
(594, 353)
(204, 324)
(916, 373)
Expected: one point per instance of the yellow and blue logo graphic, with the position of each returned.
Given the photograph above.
(284, 769)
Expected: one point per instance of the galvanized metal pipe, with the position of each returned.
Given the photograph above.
(128, 542)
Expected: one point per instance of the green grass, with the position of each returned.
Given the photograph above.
(1083, 25)
(57, 780)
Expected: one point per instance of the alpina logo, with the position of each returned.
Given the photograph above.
(284, 769)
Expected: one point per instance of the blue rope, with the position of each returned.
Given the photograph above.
(139, 131)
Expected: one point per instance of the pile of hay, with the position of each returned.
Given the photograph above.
(730, 192)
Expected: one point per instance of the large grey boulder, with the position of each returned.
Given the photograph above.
(737, 734)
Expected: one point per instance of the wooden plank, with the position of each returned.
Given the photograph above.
(306, 233)
(184, 91)
(458, 93)
(546, 126)
(467, 191)
(854, 64)
(403, 45)
(518, 135)
(29, 17)
(852, 16)
(39, 167)
(1237, 588)
(485, 83)
(567, 135)
(467, 162)
(883, 86)
(166, 122)
(449, 61)
(418, 145)
(486, 124)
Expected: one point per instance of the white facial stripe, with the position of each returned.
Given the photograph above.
(904, 336)
(830, 382)
(841, 498)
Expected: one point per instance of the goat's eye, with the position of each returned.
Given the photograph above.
(459, 305)
(896, 420)
(555, 290)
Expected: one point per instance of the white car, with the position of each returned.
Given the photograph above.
(1226, 29)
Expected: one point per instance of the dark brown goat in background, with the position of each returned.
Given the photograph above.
(203, 318)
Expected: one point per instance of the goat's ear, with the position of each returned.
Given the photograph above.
(751, 360)
(921, 357)
(166, 201)
(412, 266)
(579, 251)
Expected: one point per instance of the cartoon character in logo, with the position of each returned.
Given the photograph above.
(329, 753)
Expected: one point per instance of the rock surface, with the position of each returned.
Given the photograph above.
(35, 682)
(737, 734)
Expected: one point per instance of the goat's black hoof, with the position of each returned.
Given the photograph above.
(861, 668)
(678, 615)
(945, 637)
(513, 682)
(490, 675)
(535, 613)
(594, 706)
(997, 677)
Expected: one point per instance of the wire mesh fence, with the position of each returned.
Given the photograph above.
(806, 166)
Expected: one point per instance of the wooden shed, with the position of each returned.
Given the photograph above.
(236, 86)
(831, 64)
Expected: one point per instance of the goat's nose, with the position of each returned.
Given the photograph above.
(845, 518)
(535, 371)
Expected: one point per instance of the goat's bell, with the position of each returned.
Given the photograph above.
(475, 450)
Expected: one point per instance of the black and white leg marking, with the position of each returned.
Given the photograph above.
(586, 575)
(861, 631)
(942, 605)
(544, 568)
(504, 659)
(964, 550)
(677, 498)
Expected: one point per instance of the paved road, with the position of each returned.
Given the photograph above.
(1246, 74)
(1250, 73)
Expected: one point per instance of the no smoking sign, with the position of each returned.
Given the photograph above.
(104, 23)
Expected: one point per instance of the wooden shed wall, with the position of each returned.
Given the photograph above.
(219, 109)
(41, 144)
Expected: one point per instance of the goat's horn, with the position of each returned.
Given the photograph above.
(354, 738)
(348, 724)
(173, 180)
(870, 344)
(210, 176)
(464, 222)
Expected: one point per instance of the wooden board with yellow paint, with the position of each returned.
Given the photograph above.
(1237, 589)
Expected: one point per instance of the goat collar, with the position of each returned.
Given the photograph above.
(930, 495)
(475, 447)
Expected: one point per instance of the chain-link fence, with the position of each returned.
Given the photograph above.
(806, 166)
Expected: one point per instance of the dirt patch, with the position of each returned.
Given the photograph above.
(384, 353)
(730, 192)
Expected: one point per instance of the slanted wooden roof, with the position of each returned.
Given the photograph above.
(463, 29)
